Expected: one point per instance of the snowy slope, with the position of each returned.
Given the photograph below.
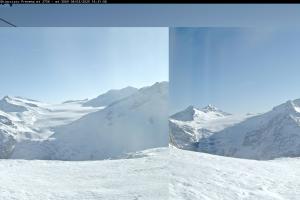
(110, 97)
(200, 176)
(270, 135)
(143, 178)
(191, 125)
(134, 123)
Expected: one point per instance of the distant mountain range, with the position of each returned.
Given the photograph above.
(136, 119)
(113, 124)
(262, 136)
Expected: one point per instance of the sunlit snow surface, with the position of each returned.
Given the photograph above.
(200, 176)
(142, 177)
(156, 174)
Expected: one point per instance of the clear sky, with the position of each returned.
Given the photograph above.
(57, 64)
(238, 70)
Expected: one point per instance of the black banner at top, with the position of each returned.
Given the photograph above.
(11, 2)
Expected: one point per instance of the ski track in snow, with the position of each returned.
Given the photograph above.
(200, 176)
(142, 178)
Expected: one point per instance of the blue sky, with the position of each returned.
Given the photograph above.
(57, 64)
(237, 69)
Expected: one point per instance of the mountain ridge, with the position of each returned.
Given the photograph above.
(270, 135)
(110, 96)
(131, 124)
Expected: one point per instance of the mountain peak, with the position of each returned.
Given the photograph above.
(210, 108)
(9, 104)
(6, 98)
(192, 112)
(110, 96)
(189, 108)
(185, 115)
(290, 106)
(158, 85)
(128, 88)
(297, 102)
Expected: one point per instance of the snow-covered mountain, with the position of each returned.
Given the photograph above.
(270, 135)
(191, 113)
(191, 125)
(265, 136)
(25, 119)
(8, 104)
(134, 123)
(110, 97)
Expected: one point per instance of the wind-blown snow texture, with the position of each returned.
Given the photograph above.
(144, 178)
(201, 176)
(266, 136)
(70, 131)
